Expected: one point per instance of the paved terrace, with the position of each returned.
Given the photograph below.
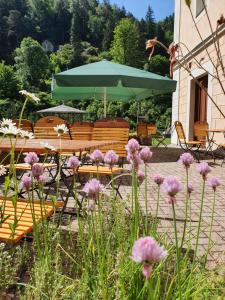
(165, 163)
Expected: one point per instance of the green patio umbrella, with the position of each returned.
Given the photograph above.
(106, 80)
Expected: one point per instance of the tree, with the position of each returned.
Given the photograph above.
(32, 63)
(150, 23)
(75, 36)
(9, 85)
(158, 64)
(125, 48)
(62, 59)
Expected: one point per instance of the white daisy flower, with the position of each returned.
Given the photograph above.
(7, 122)
(47, 146)
(2, 170)
(30, 95)
(26, 134)
(61, 129)
(10, 131)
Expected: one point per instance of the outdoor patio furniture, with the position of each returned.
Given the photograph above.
(90, 171)
(24, 217)
(187, 146)
(44, 128)
(217, 150)
(162, 136)
(82, 131)
(23, 168)
(111, 130)
(25, 124)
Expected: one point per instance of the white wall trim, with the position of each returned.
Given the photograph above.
(208, 66)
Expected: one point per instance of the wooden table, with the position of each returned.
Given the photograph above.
(35, 145)
(211, 141)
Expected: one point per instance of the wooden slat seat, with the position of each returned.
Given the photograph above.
(101, 170)
(25, 223)
(27, 167)
(44, 128)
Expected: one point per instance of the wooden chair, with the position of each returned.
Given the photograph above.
(44, 128)
(82, 131)
(200, 131)
(187, 146)
(25, 124)
(24, 217)
(142, 131)
(112, 130)
(151, 129)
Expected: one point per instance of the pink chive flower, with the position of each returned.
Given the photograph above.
(31, 158)
(204, 169)
(41, 180)
(111, 158)
(147, 252)
(140, 176)
(213, 182)
(171, 186)
(26, 182)
(92, 188)
(190, 188)
(135, 160)
(90, 207)
(97, 157)
(186, 159)
(158, 179)
(37, 170)
(73, 162)
(146, 155)
(132, 146)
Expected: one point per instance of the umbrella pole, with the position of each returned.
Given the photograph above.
(105, 104)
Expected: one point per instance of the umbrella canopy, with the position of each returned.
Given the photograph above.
(61, 109)
(107, 80)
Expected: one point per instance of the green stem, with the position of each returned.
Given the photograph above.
(210, 228)
(157, 208)
(186, 211)
(177, 251)
(146, 202)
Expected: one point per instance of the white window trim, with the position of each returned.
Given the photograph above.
(208, 66)
(202, 13)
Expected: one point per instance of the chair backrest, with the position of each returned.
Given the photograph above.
(151, 129)
(200, 133)
(44, 128)
(142, 130)
(81, 131)
(112, 130)
(25, 124)
(180, 131)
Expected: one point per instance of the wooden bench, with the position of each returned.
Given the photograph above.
(112, 130)
(25, 124)
(82, 131)
(44, 128)
(25, 223)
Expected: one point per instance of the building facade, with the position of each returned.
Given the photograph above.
(190, 102)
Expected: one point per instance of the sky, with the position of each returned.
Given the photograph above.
(138, 8)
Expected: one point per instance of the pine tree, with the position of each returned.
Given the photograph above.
(75, 36)
(150, 23)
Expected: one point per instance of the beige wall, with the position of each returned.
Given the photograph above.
(183, 98)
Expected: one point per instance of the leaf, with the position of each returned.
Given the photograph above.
(188, 2)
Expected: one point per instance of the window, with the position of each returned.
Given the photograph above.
(199, 6)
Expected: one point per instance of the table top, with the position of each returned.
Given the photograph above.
(35, 145)
(216, 130)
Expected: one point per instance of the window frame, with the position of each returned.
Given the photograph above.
(197, 13)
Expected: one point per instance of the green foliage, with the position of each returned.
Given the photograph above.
(32, 63)
(158, 64)
(62, 59)
(125, 47)
(9, 85)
